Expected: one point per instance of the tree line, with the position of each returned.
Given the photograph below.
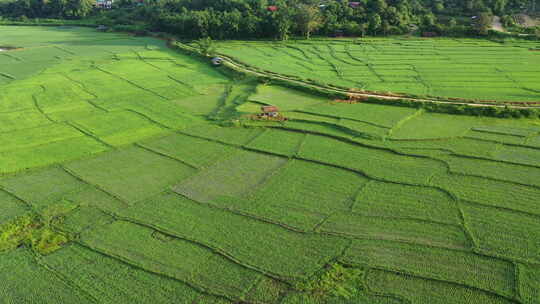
(279, 19)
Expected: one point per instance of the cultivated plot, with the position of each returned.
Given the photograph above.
(460, 68)
(130, 173)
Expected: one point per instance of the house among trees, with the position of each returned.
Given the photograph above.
(354, 4)
(104, 4)
(270, 111)
(273, 8)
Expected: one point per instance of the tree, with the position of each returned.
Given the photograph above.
(507, 21)
(379, 6)
(250, 25)
(231, 23)
(499, 6)
(283, 26)
(429, 20)
(281, 22)
(352, 28)
(206, 46)
(385, 26)
(308, 19)
(57, 8)
(375, 23)
(483, 23)
(201, 20)
(78, 8)
(438, 6)
(362, 28)
(479, 5)
(393, 16)
(469, 5)
(226, 19)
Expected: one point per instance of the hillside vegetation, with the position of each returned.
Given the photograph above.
(130, 173)
(282, 19)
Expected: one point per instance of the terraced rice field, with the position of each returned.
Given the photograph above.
(119, 185)
(456, 68)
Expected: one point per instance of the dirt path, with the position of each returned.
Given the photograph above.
(497, 25)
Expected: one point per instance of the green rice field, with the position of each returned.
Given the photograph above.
(472, 69)
(131, 173)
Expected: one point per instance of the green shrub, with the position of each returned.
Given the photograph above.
(336, 281)
(30, 230)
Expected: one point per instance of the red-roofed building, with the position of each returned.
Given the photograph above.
(273, 8)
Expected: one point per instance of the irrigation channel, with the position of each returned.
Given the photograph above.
(238, 66)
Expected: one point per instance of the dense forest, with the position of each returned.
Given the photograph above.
(235, 19)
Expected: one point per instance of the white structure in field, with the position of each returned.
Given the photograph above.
(105, 4)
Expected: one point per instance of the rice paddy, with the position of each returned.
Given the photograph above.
(130, 173)
(453, 68)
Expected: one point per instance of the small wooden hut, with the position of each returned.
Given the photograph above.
(270, 111)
